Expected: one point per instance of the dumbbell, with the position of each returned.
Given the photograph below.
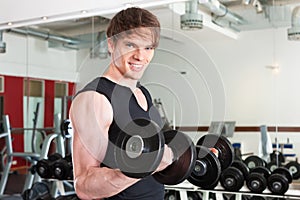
(257, 179)
(66, 128)
(254, 161)
(276, 160)
(44, 166)
(63, 168)
(233, 178)
(277, 156)
(273, 165)
(208, 166)
(139, 148)
(184, 152)
(279, 180)
(294, 168)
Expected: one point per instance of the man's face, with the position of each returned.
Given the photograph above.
(132, 54)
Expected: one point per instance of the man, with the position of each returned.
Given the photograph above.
(103, 108)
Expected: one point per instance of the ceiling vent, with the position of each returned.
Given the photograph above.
(191, 20)
(294, 31)
(2, 44)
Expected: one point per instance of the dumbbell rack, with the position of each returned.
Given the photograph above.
(293, 193)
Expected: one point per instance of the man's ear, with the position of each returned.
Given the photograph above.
(110, 45)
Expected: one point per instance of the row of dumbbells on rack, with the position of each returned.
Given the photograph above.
(55, 167)
(256, 178)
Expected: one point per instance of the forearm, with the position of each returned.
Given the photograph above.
(102, 182)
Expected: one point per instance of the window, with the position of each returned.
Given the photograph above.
(61, 89)
(33, 88)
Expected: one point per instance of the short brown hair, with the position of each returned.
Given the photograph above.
(133, 18)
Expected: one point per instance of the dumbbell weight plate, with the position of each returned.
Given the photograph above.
(185, 157)
(194, 195)
(285, 172)
(256, 183)
(44, 168)
(172, 195)
(63, 169)
(66, 128)
(294, 168)
(272, 165)
(257, 180)
(232, 179)
(220, 143)
(139, 148)
(242, 167)
(207, 169)
(278, 182)
(254, 161)
(261, 170)
(277, 155)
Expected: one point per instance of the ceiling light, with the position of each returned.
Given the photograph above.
(191, 20)
(44, 18)
(274, 68)
(258, 6)
(9, 23)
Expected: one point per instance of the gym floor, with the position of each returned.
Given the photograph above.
(15, 183)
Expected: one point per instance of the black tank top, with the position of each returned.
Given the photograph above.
(125, 109)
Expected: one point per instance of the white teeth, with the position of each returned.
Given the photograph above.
(137, 66)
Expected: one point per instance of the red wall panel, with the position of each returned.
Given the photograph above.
(49, 103)
(13, 106)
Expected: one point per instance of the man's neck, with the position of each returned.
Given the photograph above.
(119, 79)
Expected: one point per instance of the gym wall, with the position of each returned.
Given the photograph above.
(197, 81)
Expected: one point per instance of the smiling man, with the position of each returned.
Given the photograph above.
(103, 108)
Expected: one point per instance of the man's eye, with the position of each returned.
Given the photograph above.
(149, 48)
(129, 44)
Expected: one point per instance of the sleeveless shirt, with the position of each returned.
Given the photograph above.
(125, 109)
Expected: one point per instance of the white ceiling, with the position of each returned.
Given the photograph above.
(66, 17)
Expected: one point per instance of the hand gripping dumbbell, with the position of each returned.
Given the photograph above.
(214, 154)
(63, 168)
(233, 178)
(279, 180)
(184, 152)
(44, 166)
(139, 148)
(257, 179)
